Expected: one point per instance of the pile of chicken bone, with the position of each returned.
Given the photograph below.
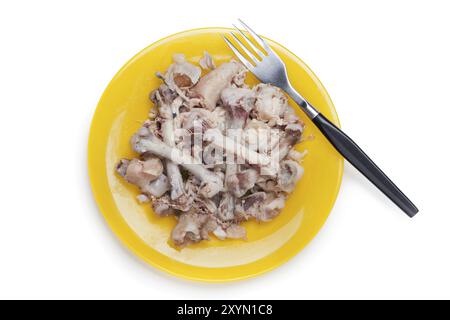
(215, 152)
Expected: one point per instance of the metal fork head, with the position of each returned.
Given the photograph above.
(264, 63)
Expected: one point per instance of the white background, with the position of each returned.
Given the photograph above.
(386, 65)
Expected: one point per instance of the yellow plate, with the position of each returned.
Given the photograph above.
(124, 106)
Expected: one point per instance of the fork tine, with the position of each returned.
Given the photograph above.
(244, 48)
(238, 54)
(249, 42)
(257, 38)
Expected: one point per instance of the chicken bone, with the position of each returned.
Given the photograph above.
(182, 74)
(133, 172)
(207, 62)
(192, 228)
(211, 85)
(211, 183)
(233, 147)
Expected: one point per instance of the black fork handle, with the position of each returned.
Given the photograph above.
(350, 150)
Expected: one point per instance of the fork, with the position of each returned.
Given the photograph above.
(269, 68)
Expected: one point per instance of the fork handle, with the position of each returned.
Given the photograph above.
(350, 150)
